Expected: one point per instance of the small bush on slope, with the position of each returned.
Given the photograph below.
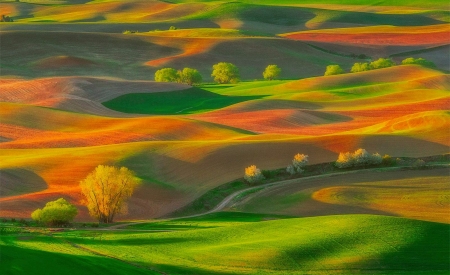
(418, 61)
(333, 70)
(360, 67)
(381, 63)
(253, 174)
(299, 161)
(57, 212)
(358, 159)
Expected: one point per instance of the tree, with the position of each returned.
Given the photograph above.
(271, 72)
(57, 212)
(381, 63)
(253, 174)
(360, 67)
(418, 61)
(298, 163)
(166, 75)
(359, 158)
(225, 73)
(106, 190)
(190, 76)
(333, 70)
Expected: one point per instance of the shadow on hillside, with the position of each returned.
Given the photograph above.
(18, 260)
(426, 254)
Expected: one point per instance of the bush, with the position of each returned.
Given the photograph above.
(224, 72)
(359, 158)
(333, 70)
(381, 63)
(13, 220)
(190, 76)
(166, 75)
(59, 212)
(298, 163)
(418, 61)
(360, 67)
(271, 72)
(172, 28)
(253, 174)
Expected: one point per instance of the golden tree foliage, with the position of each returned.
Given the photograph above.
(106, 190)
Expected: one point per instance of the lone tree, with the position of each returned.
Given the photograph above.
(225, 73)
(333, 70)
(190, 76)
(418, 61)
(106, 190)
(360, 67)
(166, 75)
(253, 174)
(381, 63)
(59, 212)
(271, 72)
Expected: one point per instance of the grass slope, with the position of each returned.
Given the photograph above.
(418, 194)
(360, 244)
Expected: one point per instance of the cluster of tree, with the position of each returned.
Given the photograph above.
(298, 163)
(359, 158)
(418, 61)
(187, 75)
(222, 73)
(55, 213)
(377, 64)
(105, 192)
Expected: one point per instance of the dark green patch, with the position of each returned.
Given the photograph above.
(189, 101)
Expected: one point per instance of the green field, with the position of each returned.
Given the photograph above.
(190, 101)
(241, 243)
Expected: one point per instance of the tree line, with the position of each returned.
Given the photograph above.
(377, 64)
(222, 72)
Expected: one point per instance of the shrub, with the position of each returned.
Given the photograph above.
(172, 28)
(13, 220)
(166, 75)
(360, 67)
(59, 212)
(333, 70)
(253, 174)
(190, 76)
(224, 72)
(381, 63)
(418, 61)
(359, 158)
(271, 72)
(298, 163)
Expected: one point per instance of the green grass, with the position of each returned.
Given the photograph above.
(38, 253)
(360, 244)
(213, 220)
(193, 100)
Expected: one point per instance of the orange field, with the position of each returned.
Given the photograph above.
(379, 35)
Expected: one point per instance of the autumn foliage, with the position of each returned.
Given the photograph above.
(106, 190)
